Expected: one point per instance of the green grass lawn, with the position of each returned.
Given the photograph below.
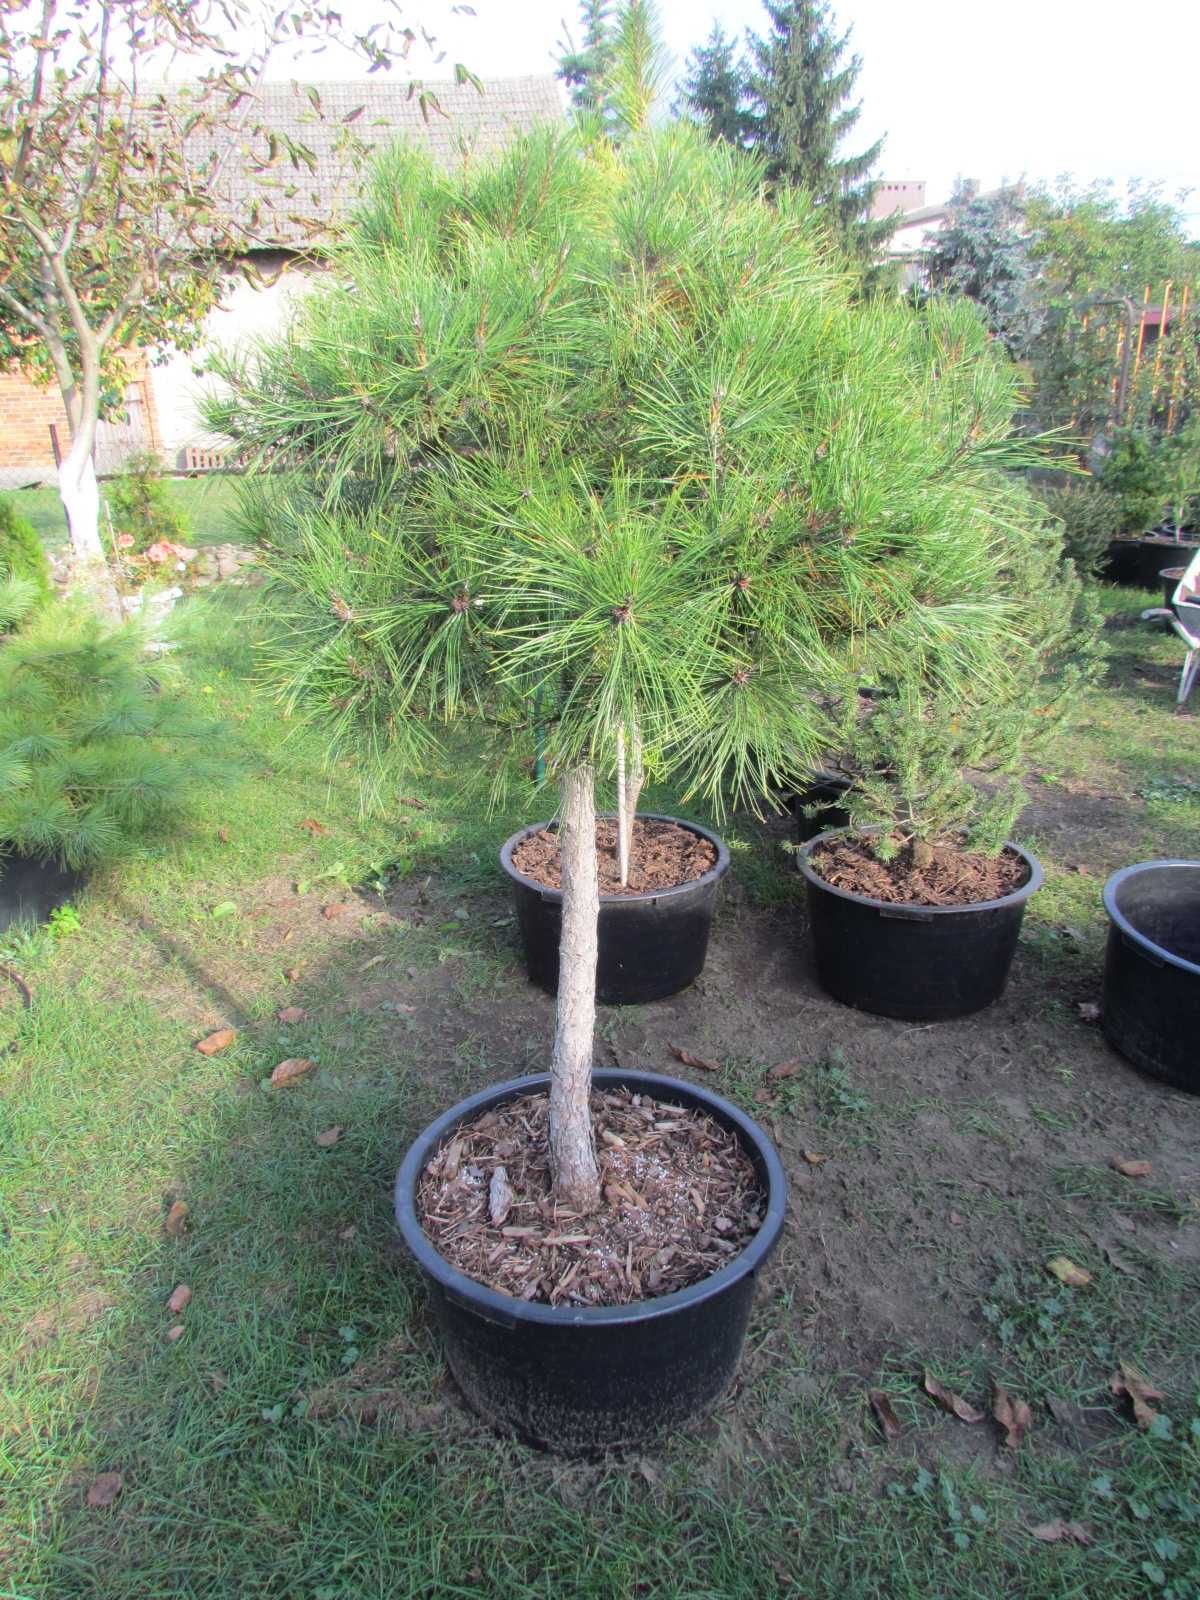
(209, 504)
(299, 1440)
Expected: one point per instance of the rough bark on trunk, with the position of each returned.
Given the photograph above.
(572, 1146)
(629, 787)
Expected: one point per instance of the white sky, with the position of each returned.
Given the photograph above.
(993, 91)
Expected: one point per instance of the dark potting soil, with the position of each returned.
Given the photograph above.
(681, 1198)
(946, 875)
(661, 855)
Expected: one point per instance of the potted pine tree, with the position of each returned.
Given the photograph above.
(601, 442)
(915, 906)
(96, 753)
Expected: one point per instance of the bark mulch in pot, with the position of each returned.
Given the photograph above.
(945, 875)
(681, 1198)
(662, 855)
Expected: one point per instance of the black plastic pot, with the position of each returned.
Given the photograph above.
(919, 963)
(824, 795)
(1138, 562)
(651, 945)
(584, 1379)
(1169, 577)
(31, 888)
(1152, 969)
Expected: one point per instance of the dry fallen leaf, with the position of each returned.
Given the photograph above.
(1088, 1011)
(689, 1060)
(951, 1402)
(1129, 1381)
(311, 825)
(293, 1067)
(176, 1218)
(328, 1138)
(762, 1095)
(175, 1333)
(814, 1158)
(291, 1013)
(338, 908)
(1131, 1169)
(785, 1069)
(957, 1219)
(223, 835)
(1058, 1530)
(889, 1423)
(105, 1489)
(1014, 1416)
(348, 1232)
(500, 1197)
(180, 1298)
(292, 974)
(1065, 1270)
(1065, 1412)
(221, 1040)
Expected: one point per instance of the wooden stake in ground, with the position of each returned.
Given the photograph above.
(572, 1147)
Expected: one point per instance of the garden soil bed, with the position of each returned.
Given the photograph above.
(662, 855)
(681, 1198)
(949, 877)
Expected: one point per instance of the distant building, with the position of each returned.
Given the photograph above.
(160, 405)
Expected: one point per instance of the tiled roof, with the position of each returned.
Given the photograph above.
(320, 116)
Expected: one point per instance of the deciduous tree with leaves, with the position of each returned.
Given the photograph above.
(117, 213)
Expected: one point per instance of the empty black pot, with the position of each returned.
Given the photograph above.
(584, 1379)
(1152, 969)
(31, 888)
(651, 945)
(919, 963)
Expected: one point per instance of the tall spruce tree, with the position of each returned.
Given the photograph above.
(616, 76)
(714, 90)
(585, 67)
(800, 82)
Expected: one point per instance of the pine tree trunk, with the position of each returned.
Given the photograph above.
(572, 1148)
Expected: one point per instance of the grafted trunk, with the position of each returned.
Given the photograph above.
(630, 779)
(572, 1146)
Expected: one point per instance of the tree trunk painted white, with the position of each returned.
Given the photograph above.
(572, 1145)
(80, 495)
(629, 788)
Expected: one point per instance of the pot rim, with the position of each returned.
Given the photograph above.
(1122, 922)
(718, 870)
(504, 1308)
(918, 912)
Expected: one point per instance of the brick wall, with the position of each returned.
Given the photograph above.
(27, 411)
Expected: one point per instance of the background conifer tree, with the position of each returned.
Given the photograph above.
(714, 89)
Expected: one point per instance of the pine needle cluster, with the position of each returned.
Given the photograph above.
(607, 440)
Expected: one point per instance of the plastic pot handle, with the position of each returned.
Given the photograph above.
(484, 1313)
(1140, 950)
(908, 914)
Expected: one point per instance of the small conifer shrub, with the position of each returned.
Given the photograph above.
(95, 753)
(22, 554)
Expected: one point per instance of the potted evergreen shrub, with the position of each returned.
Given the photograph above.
(1145, 477)
(915, 907)
(95, 754)
(599, 447)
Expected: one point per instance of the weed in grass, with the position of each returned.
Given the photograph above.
(1096, 1183)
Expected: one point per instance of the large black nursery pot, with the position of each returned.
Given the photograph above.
(1152, 969)
(918, 963)
(31, 888)
(1137, 563)
(651, 945)
(582, 1379)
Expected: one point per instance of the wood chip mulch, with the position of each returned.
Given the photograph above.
(661, 855)
(681, 1197)
(949, 877)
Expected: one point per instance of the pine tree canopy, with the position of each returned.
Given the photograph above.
(610, 437)
(715, 89)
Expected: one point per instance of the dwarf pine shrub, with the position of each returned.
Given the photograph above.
(22, 555)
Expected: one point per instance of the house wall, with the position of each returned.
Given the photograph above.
(27, 412)
(246, 311)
